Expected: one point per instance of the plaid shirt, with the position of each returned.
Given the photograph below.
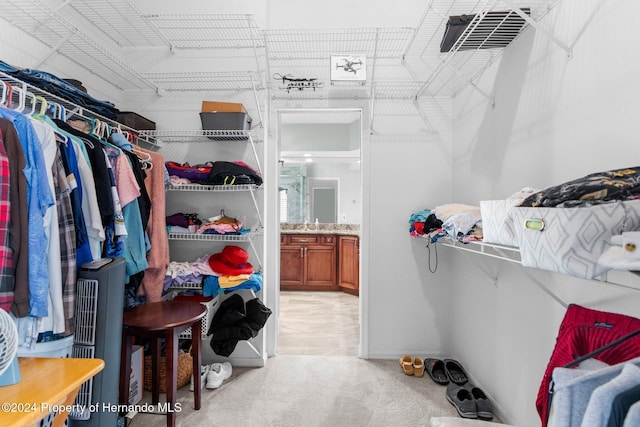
(7, 278)
(67, 232)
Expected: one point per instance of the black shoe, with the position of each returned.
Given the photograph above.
(462, 400)
(483, 405)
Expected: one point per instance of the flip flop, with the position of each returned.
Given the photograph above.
(455, 371)
(435, 369)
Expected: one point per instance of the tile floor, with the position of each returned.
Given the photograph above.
(318, 323)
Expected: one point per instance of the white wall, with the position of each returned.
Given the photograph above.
(555, 118)
(315, 137)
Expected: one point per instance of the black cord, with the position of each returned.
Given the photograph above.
(429, 256)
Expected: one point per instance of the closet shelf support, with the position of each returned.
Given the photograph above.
(481, 267)
(473, 84)
(252, 190)
(53, 50)
(540, 28)
(545, 289)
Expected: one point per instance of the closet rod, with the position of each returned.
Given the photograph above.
(74, 109)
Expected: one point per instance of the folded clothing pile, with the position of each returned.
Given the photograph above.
(231, 271)
(213, 173)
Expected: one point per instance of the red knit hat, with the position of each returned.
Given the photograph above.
(232, 261)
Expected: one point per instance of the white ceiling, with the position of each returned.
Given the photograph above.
(242, 44)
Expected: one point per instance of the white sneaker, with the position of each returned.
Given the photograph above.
(215, 376)
(204, 370)
(226, 369)
(218, 373)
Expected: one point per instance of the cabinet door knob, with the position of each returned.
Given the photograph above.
(303, 240)
(301, 252)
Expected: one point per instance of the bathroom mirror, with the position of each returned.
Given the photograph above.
(320, 166)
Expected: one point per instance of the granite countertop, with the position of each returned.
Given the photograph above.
(337, 229)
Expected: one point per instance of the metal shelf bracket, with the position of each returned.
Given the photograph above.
(540, 28)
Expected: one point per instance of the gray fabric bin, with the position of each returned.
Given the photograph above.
(227, 122)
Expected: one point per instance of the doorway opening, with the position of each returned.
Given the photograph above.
(320, 189)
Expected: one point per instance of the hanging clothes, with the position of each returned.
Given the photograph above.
(90, 208)
(158, 254)
(583, 330)
(131, 177)
(18, 240)
(574, 387)
(99, 170)
(54, 317)
(144, 201)
(68, 250)
(39, 199)
(6, 259)
(70, 165)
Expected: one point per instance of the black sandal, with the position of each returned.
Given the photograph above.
(435, 369)
(455, 371)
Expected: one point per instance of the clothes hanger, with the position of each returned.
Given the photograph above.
(224, 219)
(96, 127)
(601, 349)
(34, 101)
(9, 94)
(59, 112)
(143, 156)
(21, 99)
(5, 89)
(101, 130)
(43, 105)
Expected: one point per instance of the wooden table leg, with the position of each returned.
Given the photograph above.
(61, 417)
(196, 340)
(155, 370)
(125, 369)
(172, 371)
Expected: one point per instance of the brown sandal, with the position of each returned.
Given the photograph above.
(418, 367)
(407, 364)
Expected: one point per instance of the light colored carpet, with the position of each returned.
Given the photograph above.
(316, 380)
(306, 391)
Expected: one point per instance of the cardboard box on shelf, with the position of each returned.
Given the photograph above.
(222, 107)
(136, 384)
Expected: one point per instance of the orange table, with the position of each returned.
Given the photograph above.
(47, 384)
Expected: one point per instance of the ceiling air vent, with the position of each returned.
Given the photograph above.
(490, 30)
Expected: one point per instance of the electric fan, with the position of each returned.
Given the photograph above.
(9, 369)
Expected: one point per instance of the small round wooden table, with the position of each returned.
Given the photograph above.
(158, 320)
